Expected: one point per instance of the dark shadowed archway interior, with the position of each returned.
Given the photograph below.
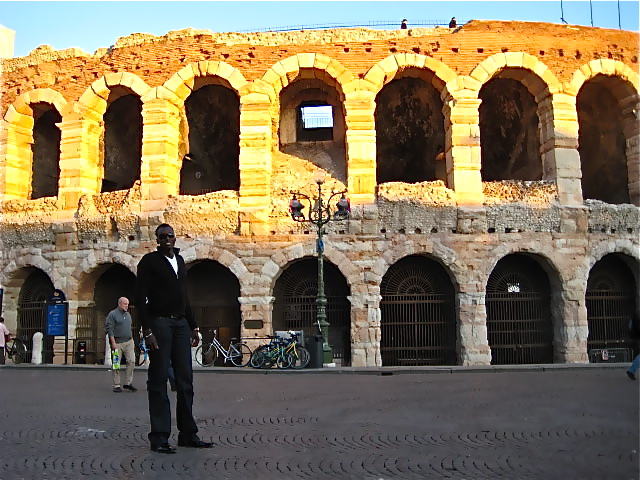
(601, 142)
(519, 323)
(46, 151)
(295, 304)
(509, 132)
(213, 292)
(418, 325)
(611, 302)
(32, 311)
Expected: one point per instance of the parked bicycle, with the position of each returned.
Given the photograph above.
(16, 350)
(238, 353)
(281, 352)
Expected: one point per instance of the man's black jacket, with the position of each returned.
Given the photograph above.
(159, 293)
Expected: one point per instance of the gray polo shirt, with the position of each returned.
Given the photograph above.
(118, 325)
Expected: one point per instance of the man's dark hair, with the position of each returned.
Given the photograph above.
(163, 225)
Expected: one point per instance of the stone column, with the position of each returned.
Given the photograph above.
(16, 155)
(559, 145)
(161, 160)
(473, 341)
(256, 308)
(255, 163)
(462, 149)
(365, 330)
(81, 158)
(361, 146)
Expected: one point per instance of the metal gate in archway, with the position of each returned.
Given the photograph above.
(519, 325)
(295, 305)
(418, 325)
(32, 313)
(611, 302)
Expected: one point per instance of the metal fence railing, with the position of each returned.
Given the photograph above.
(381, 24)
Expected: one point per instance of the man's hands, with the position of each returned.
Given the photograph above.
(150, 340)
(152, 343)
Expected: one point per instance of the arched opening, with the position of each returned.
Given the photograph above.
(295, 306)
(32, 311)
(114, 282)
(418, 325)
(213, 159)
(312, 124)
(45, 167)
(409, 130)
(611, 302)
(601, 141)
(213, 293)
(519, 319)
(122, 140)
(509, 131)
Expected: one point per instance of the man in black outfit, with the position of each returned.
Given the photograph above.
(169, 331)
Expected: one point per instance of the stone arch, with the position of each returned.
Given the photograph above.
(412, 116)
(93, 102)
(443, 255)
(212, 83)
(546, 343)
(389, 68)
(287, 70)
(83, 130)
(273, 267)
(181, 83)
(541, 83)
(606, 66)
(619, 127)
(603, 248)
(19, 124)
(88, 276)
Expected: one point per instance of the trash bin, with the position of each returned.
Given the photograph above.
(314, 346)
(81, 352)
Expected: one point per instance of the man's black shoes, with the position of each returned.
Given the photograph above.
(164, 448)
(131, 388)
(194, 444)
(117, 390)
(631, 375)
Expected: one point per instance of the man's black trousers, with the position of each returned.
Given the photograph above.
(174, 340)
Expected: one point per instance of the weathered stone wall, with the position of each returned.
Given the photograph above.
(465, 224)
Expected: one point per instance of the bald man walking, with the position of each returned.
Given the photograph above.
(117, 325)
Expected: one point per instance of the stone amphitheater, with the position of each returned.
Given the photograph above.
(493, 174)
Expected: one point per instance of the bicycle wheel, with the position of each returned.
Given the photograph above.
(240, 354)
(257, 358)
(282, 359)
(19, 353)
(299, 357)
(206, 357)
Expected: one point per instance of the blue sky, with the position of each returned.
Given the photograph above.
(91, 25)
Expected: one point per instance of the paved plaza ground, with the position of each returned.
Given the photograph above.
(363, 424)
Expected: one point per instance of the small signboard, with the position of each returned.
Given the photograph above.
(57, 319)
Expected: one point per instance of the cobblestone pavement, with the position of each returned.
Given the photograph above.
(379, 424)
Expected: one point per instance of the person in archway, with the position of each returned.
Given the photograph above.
(170, 331)
(5, 336)
(117, 325)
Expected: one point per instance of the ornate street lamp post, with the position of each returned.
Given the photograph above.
(320, 213)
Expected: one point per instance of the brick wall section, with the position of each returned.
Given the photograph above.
(563, 48)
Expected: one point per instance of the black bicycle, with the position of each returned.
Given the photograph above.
(16, 350)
